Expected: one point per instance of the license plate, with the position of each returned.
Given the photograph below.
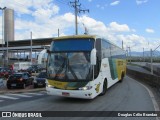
(65, 94)
(13, 85)
(40, 84)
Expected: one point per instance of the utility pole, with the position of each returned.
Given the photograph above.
(7, 50)
(76, 6)
(122, 44)
(31, 47)
(143, 56)
(151, 62)
(58, 32)
(129, 49)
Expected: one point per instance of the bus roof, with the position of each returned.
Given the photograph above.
(83, 36)
(75, 36)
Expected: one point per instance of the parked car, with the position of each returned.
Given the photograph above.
(34, 69)
(40, 80)
(5, 72)
(19, 80)
(1, 82)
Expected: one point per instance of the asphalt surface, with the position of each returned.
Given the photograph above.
(126, 96)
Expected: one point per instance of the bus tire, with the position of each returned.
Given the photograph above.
(104, 88)
(122, 77)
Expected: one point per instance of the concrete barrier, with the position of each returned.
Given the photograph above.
(150, 79)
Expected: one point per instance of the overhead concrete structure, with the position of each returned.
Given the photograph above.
(8, 25)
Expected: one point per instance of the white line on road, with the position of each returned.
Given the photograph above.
(33, 93)
(19, 95)
(8, 97)
(43, 91)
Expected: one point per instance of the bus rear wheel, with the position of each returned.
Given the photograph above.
(104, 88)
(122, 77)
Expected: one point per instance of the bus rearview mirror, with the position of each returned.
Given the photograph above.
(93, 57)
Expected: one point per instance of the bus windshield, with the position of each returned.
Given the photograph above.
(69, 60)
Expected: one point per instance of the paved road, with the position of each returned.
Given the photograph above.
(126, 96)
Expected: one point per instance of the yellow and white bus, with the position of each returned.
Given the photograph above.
(83, 66)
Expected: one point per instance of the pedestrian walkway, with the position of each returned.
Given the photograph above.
(4, 90)
(16, 96)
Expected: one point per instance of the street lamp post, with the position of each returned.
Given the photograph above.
(31, 47)
(151, 61)
(129, 54)
(2, 33)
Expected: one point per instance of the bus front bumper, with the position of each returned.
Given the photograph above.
(84, 94)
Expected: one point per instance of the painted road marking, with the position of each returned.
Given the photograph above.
(33, 93)
(8, 97)
(19, 95)
(43, 92)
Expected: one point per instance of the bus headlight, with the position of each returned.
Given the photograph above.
(85, 88)
(50, 86)
(46, 83)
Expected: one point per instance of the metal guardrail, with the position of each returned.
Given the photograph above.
(156, 68)
(150, 79)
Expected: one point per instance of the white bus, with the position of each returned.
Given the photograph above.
(83, 66)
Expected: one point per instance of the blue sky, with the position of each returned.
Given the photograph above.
(136, 22)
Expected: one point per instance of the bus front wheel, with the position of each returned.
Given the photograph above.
(122, 77)
(104, 88)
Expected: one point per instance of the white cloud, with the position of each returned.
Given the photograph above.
(133, 30)
(139, 2)
(44, 29)
(46, 21)
(113, 32)
(116, 33)
(101, 7)
(24, 7)
(114, 3)
(90, 0)
(17, 5)
(94, 27)
(42, 15)
(114, 26)
(148, 30)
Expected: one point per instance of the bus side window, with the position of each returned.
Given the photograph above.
(106, 49)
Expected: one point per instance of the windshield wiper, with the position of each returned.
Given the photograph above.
(73, 73)
(60, 69)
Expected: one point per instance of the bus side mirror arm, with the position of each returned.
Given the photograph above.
(93, 57)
